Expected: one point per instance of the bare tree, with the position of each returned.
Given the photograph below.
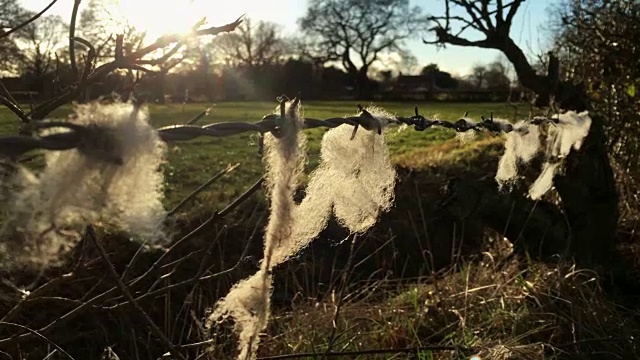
(99, 21)
(251, 45)
(40, 41)
(140, 60)
(478, 76)
(10, 17)
(355, 33)
(587, 190)
(496, 76)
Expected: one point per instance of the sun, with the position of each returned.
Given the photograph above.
(157, 18)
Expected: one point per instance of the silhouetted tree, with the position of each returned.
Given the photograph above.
(298, 76)
(492, 76)
(41, 39)
(496, 77)
(100, 23)
(355, 33)
(252, 45)
(11, 14)
(441, 79)
(589, 201)
(477, 76)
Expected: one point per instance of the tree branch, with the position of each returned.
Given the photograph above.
(123, 61)
(123, 288)
(28, 21)
(72, 35)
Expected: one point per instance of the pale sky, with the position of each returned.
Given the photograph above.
(528, 30)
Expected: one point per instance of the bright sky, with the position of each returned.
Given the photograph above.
(159, 17)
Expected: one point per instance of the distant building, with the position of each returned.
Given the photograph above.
(416, 87)
(411, 87)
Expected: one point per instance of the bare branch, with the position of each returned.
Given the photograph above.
(24, 118)
(123, 288)
(123, 61)
(28, 21)
(37, 334)
(72, 35)
(91, 56)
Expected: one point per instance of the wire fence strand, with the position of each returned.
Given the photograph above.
(13, 146)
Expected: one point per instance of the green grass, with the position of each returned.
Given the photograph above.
(192, 163)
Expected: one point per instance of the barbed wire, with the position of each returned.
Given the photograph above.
(76, 135)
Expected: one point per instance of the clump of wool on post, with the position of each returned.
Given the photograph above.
(526, 140)
(112, 176)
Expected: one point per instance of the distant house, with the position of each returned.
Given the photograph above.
(426, 86)
(416, 86)
(411, 87)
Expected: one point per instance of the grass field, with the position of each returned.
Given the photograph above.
(192, 163)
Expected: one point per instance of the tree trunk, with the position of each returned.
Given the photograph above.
(587, 189)
(589, 199)
(362, 83)
(589, 202)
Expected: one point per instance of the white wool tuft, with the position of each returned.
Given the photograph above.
(544, 182)
(114, 176)
(248, 301)
(465, 137)
(248, 304)
(525, 142)
(355, 179)
(521, 146)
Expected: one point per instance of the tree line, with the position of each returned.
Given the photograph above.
(333, 57)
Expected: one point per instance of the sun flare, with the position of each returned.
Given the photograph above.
(176, 17)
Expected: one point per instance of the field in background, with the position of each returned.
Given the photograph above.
(192, 163)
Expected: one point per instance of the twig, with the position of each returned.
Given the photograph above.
(123, 288)
(28, 21)
(201, 188)
(15, 108)
(170, 39)
(41, 111)
(40, 336)
(4, 88)
(414, 350)
(199, 276)
(72, 314)
(336, 315)
(216, 216)
(72, 35)
(91, 56)
(199, 116)
(209, 254)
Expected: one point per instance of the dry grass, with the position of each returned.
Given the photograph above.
(497, 307)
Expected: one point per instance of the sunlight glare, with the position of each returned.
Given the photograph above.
(162, 18)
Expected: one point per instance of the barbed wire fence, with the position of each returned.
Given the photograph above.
(76, 135)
